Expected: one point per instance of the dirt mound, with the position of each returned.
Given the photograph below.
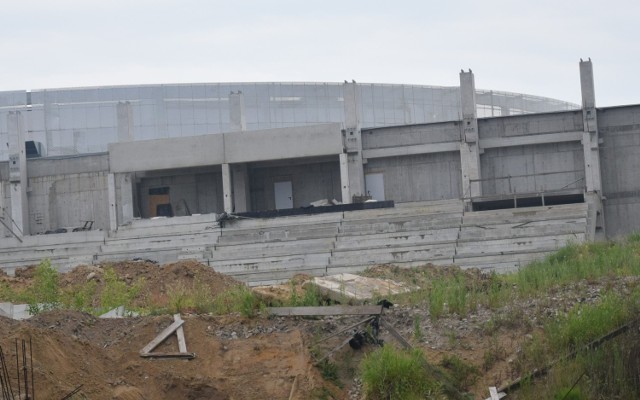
(73, 348)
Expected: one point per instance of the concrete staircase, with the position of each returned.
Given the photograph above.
(409, 234)
(161, 239)
(266, 251)
(504, 240)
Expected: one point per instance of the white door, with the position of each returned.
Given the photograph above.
(375, 186)
(284, 195)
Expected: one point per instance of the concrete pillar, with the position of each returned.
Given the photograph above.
(18, 174)
(590, 146)
(126, 197)
(125, 121)
(240, 184)
(469, 149)
(237, 119)
(344, 178)
(590, 122)
(111, 192)
(352, 139)
(227, 188)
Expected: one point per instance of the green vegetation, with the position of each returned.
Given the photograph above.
(452, 291)
(389, 373)
(237, 299)
(45, 293)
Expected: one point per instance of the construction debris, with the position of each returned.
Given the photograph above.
(182, 344)
(355, 288)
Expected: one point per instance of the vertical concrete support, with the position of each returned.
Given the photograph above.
(590, 136)
(227, 188)
(126, 197)
(111, 192)
(469, 149)
(240, 183)
(237, 120)
(18, 174)
(125, 121)
(590, 145)
(344, 177)
(352, 144)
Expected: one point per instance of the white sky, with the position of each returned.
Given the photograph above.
(527, 46)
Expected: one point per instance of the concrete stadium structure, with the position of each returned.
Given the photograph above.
(479, 178)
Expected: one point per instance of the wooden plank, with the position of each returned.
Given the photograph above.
(182, 343)
(322, 311)
(161, 337)
(396, 334)
(494, 395)
(188, 356)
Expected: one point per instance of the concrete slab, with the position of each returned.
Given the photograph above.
(357, 288)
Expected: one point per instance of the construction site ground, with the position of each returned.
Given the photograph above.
(259, 357)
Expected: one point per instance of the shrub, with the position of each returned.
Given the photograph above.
(388, 373)
(45, 292)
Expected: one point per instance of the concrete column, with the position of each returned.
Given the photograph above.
(590, 146)
(353, 145)
(344, 178)
(240, 183)
(111, 191)
(126, 198)
(237, 119)
(227, 188)
(469, 149)
(125, 121)
(590, 122)
(18, 175)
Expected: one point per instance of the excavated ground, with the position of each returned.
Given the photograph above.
(247, 358)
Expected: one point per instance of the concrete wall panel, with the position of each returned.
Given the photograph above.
(189, 192)
(529, 169)
(419, 177)
(310, 182)
(619, 129)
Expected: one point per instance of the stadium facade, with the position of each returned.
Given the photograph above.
(116, 155)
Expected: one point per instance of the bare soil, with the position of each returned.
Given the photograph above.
(270, 358)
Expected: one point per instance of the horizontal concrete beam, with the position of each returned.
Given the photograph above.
(527, 140)
(413, 149)
(232, 147)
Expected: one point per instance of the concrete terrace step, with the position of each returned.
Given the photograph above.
(157, 231)
(526, 229)
(400, 224)
(422, 253)
(156, 242)
(509, 261)
(383, 214)
(288, 233)
(317, 259)
(333, 269)
(397, 239)
(268, 249)
(294, 220)
(439, 204)
(52, 240)
(40, 253)
(565, 211)
(515, 245)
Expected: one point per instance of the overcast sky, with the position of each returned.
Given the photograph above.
(520, 46)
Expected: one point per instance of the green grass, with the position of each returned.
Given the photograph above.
(396, 374)
(613, 368)
(452, 291)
